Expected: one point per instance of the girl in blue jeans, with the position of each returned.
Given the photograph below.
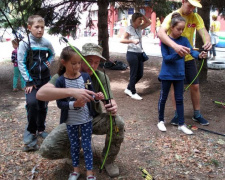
(172, 72)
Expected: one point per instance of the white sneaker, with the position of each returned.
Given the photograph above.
(161, 126)
(91, 177)
(74, 176)
(185, 129)
(136, 96)
(128, 92)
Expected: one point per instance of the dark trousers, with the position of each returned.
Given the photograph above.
(36, 111)
(178, 90)
(135, 61)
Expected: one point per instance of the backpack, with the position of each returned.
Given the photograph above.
(116, 65)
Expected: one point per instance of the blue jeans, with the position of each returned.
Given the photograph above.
(135, 61)
(213, 50)
(86, 132)
(178, 90)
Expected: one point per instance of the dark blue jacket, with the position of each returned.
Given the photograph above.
(63, 104)
(173, 66)
(32, 59)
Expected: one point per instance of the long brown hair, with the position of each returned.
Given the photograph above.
(65, 55)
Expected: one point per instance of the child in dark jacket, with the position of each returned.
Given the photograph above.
(34, 57)
(77, 114)
(17, 73)
(172, 72)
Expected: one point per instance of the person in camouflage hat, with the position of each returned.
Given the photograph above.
(57, 145)
(91, 49)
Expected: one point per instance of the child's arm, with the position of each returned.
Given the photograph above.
(62, 103)
(196, 54)
(167, 57)
(22, 63)
(68, 103)
(51, 54)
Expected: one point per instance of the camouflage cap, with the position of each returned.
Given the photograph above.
(92, 49)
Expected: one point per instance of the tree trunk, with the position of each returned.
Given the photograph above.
(204, 13)
(103, 36)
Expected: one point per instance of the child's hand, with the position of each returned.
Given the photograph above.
(202, 55)
(99, 96)
(48, 64)
(79, 103)
(182, 50)
(28, 89)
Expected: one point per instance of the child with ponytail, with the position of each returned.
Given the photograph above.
(173, 72)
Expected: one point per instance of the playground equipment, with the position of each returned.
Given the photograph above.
(221, 42)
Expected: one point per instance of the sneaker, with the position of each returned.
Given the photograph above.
(27, 148)
(136, 96)
(175, 121)
(201, 120)
(15, 90)
(128, 92)
(91, 177)
(112, 170)
(161, 126)
(29, 138)
(74, 176)
(185, 129)
(43, 134)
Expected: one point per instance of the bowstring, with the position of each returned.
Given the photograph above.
(203, 59)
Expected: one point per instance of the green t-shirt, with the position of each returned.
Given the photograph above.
(96, 86)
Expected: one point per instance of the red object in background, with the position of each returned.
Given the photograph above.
(153, 25)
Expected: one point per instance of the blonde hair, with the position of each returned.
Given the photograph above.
(35, 18)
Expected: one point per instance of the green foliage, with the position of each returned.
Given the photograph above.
(3, 21)
(163, 7)
(61, 17)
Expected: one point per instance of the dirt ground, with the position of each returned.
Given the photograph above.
(170, 155)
